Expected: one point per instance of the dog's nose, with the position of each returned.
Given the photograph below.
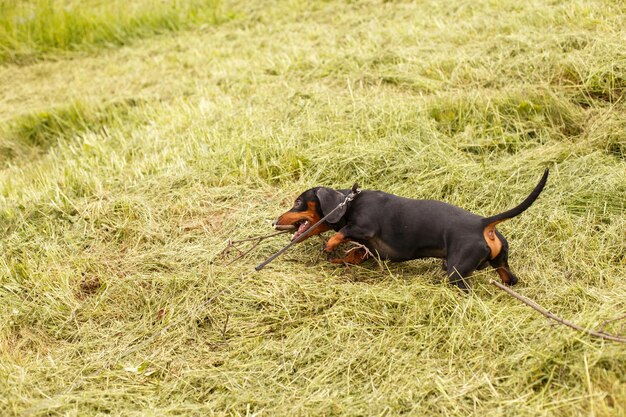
(275, 224)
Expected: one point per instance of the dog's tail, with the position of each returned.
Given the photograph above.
(493, 220)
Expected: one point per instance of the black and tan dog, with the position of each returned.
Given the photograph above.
(400, 229)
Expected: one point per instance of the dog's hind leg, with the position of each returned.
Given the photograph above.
(461, 263)
(500, 262)
(501, 265)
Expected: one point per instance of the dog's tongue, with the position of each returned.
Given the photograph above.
(300, 230)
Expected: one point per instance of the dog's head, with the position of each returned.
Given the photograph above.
(309, 208)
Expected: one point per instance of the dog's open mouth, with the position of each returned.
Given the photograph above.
(302, 227)
(299, 227)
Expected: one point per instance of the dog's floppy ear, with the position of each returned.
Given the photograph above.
(329, 200)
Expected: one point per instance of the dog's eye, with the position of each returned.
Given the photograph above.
(297, 203)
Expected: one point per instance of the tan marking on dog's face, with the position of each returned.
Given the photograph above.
(310, 214)
(504, 275)
(292, 217)
(494, 243)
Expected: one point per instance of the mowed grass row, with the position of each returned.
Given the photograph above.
(31, 28)
(129, 170)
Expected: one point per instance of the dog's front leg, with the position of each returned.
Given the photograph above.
(346, 234)
(336, 240)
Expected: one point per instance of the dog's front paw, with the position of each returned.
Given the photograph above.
(337, 261)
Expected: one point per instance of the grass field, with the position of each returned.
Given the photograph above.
(132, 153)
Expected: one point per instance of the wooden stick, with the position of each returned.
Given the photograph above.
(546, 313)
(232, 244)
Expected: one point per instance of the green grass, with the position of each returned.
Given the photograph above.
(31, 28)
(126, 170)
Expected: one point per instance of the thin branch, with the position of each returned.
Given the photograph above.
(605, 323)
(225, 326)
(235, 244)
(546, 313)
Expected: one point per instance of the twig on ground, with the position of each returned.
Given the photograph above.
(225, 328)
(548, 314)
(605, 323)
(235, 244)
